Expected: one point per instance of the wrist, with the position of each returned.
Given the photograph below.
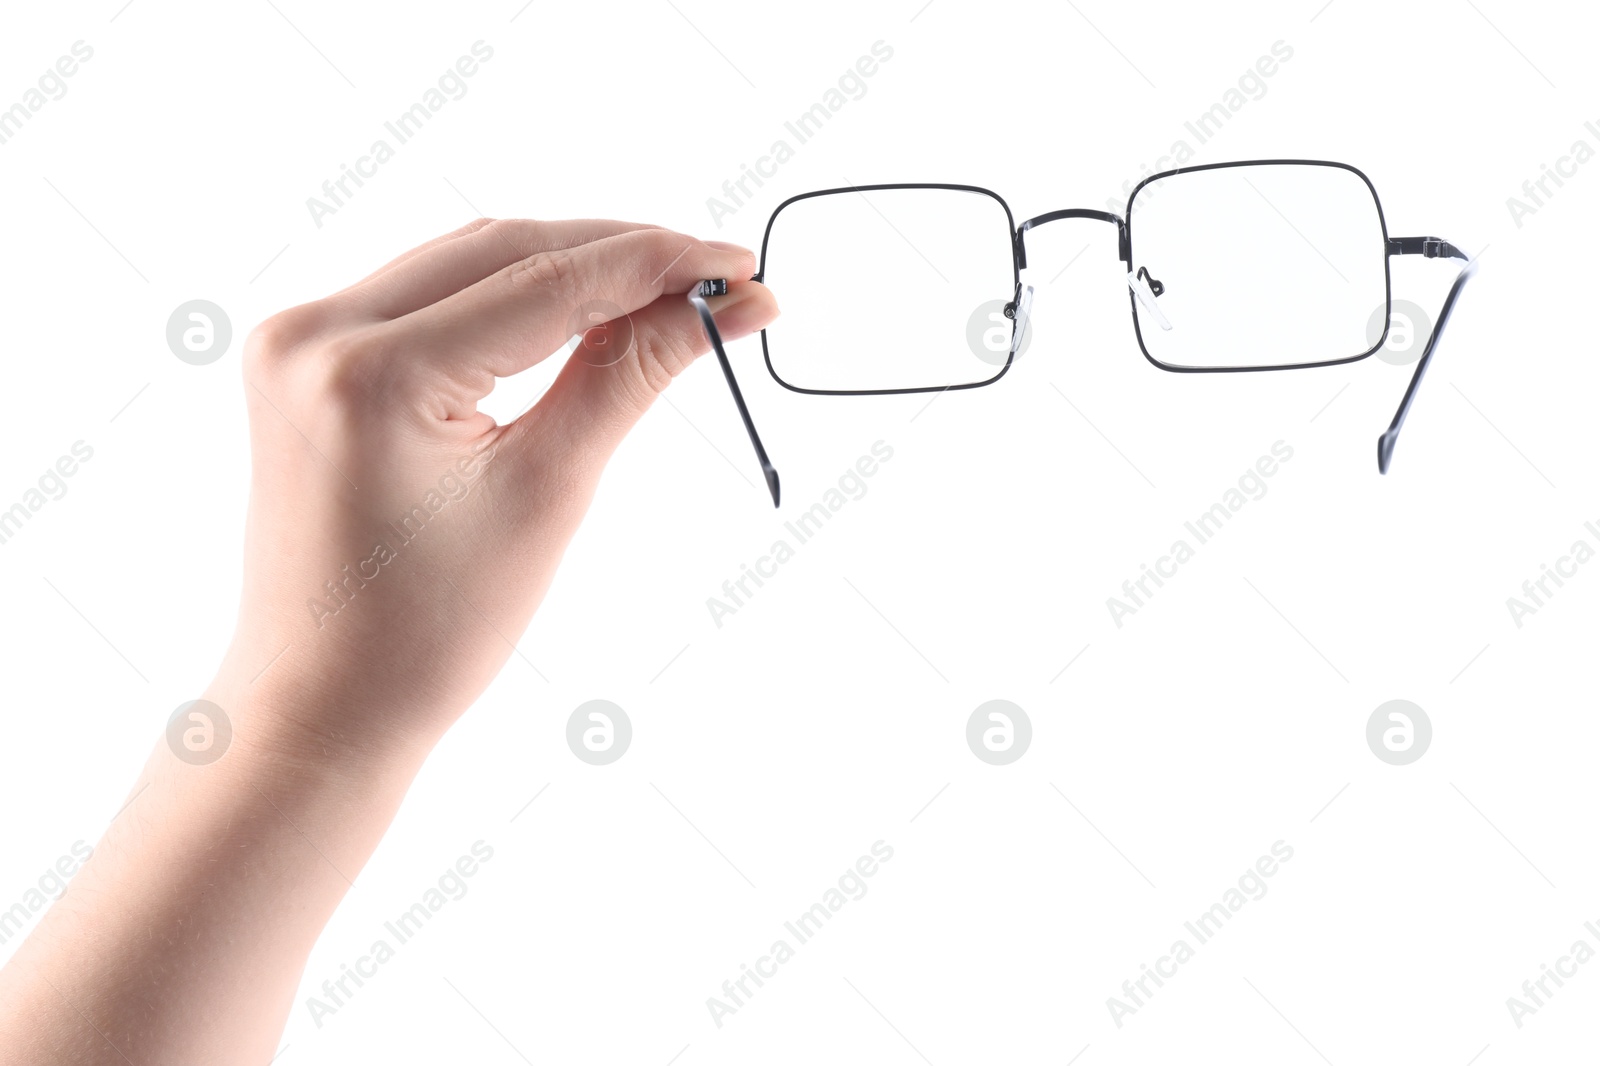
(298, 719)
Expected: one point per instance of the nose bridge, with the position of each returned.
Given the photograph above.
(1074, 212)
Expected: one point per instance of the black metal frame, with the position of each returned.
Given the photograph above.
(1429, 247)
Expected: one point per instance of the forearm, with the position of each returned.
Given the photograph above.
(184, 937)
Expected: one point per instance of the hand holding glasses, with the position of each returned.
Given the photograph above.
(1261, 265)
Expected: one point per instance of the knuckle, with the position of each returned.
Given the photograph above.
(515, 232)
(660, 359)
(663, 242)
(662, 249)
(477, 225)
(353, 368)
(551, 273)
(275, 339)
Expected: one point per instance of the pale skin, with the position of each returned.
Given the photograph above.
(184, 938)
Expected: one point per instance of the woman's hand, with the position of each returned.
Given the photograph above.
(397, 544)
(399, 539)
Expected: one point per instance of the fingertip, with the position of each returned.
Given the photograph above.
(744, 260)
(749, 306)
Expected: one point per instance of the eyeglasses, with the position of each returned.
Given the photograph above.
(1268, 264)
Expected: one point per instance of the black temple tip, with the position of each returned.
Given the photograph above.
(1385, 450)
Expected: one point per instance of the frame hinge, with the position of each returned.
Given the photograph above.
(1427, 247)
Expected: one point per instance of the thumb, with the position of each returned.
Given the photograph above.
(619, 368)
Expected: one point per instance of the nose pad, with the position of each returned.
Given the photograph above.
(1140, 284)
(1019, 314)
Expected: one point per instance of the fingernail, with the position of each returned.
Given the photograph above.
(737, 249)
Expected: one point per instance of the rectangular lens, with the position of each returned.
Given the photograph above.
(1258, 265)
(889, 288)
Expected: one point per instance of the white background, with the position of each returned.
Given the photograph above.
(771, 752)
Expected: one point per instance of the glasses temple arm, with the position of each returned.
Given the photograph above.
(1432, 248)
(697, 297)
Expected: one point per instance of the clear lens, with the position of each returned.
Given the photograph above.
(1267, 264)
(887, 289)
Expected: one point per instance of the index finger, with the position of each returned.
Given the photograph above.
(446, 266)
(517, 316)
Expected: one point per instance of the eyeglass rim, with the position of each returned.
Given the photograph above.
(1016, 281)
(1383, 228)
